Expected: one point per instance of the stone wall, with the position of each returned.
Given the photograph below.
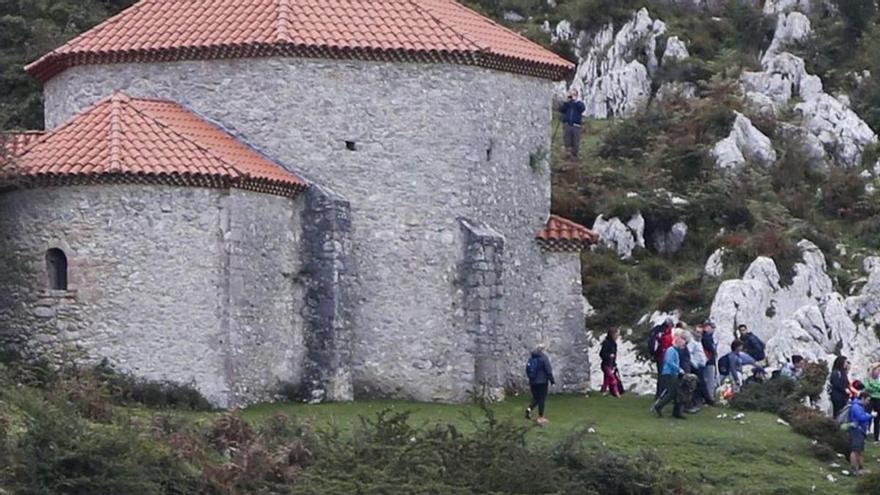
(182, 284)
(413, 148)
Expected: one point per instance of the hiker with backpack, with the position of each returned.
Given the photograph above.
(731, 364)
(857, 420)
(752, 345)
(608, 355)
(838, 385)
(872, 386)
(659, 340)
(540, 375)
(670, 380)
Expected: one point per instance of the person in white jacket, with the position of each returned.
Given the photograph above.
(698, 362)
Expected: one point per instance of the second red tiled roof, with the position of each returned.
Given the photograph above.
(561, 234)
(126, 139)
(398, 30)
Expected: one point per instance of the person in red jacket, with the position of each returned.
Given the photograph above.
(660, 341)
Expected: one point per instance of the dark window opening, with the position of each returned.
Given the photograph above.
(351, 146)
(56, 266)
(488, 154)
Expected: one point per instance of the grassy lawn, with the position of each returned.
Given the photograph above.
(752, 455)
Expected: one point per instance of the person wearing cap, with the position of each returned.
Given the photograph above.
(572, 114)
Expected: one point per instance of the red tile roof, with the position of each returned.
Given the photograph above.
(562, 234)
(15, 143)
(122, 139)
(395, 30)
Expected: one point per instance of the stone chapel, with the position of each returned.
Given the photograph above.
(351, 197)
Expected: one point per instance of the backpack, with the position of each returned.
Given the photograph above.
(843, 418)
(532, 366)
(724, 365)
(654, 340)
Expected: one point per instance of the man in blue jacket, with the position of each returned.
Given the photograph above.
(572, 119)
(754, 346)
(670, 377)
(860, 422)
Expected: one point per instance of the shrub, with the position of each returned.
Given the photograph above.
(126, 388)
(812, 382)
(813, 424)
(869, 484)
(842, 192)
(614, 289)
(772, 396)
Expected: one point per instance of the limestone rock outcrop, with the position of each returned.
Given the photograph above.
(773, 7)
(715, 264)
(745, 143)
(638, 375)
(790, 29)
(621, 237)
(610, 76)
(837, 127)
(675, 51)
(805, 317)
(673, 240)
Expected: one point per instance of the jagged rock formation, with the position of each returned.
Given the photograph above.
(773, 7)
(676, 50)
(671, 242)
(620, 237)
(610, 77)
(715, 264)
(745, 143)
(804, 317)
(842, 134)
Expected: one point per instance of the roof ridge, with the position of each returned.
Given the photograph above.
(283, 25)
(115, 101)
(418, 6)
(158, 121)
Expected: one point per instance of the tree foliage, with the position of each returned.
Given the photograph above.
(28, 30)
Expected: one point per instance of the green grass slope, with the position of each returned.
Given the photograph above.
(755, 455)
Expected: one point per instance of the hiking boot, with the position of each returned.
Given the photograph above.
(656, 412)
(542, 421)
(528, 413)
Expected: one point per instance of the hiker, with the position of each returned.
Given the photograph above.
(731, 364)
(699, 363)
(670, 378)
(572, 119)
(540, 375)
(659, 341)
(710, 347)
(872, 386)
(794, 368)
(752, 345)
(608, 355)
(860, 420)
(838, 385)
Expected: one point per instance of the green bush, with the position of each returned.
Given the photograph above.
(817, 426)
(772, 396)
(126, 389)
(841, 194)
(388, 455)
(614, 289)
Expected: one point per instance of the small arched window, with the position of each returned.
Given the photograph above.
(56, 266)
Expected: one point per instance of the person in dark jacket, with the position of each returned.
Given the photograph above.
(710, 347)
(752, 345)
(572, 119)
(838, 385)
(539, 382)
(608, 355)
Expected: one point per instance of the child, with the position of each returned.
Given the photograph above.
(860, 420)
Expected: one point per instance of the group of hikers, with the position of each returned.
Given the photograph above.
(692, 373)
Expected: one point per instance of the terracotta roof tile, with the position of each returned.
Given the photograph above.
(398, 30)
(15, 143)
(149, 140)
(562, 234)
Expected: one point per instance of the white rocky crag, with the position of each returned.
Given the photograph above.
(677, 90)
(671, 242)
(715, 264)
(675, 51)
(773, 7)
(829, 121)
(609, 76)
(621, 237)
(745, 143)
(790, 29)
(806, 317)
